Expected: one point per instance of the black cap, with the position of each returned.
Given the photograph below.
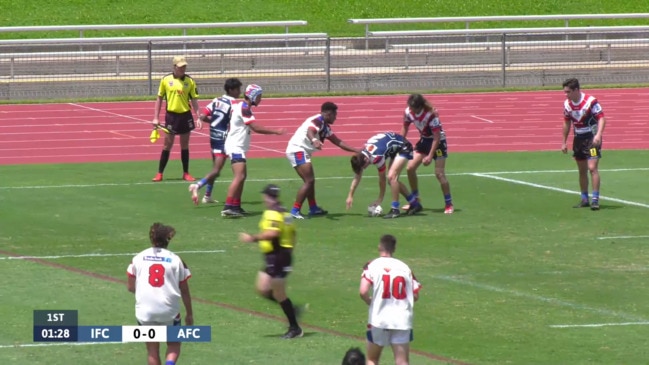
(271, 190)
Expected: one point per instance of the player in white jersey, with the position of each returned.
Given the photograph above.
(587, 118)
(430, 147)
(390, 288)
(308, 138)
(237, 144)
(217, 113)
(158, 277)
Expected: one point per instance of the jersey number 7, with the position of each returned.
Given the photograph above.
(394, 288)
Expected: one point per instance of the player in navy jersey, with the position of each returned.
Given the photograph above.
(377, 151)
(218, 113)
(587, 118)
(430, 147)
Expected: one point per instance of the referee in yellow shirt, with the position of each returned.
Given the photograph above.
(178, 89)
(276, 241)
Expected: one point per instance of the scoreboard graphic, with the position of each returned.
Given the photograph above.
(62, 326)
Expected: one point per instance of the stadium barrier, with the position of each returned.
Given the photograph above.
(403, 61)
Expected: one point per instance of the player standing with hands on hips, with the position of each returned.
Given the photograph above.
(158, 277)
(587, 118)
(390, 288)
(179, 90)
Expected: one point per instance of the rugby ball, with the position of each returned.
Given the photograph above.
(374, 210)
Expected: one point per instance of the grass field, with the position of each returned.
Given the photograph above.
(322, 16)
(513, 263)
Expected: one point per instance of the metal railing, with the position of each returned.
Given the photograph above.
(313, 62)
(468, 20)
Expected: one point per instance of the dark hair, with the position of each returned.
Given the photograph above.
(358, 162)
(160, 235)
(573, 84)
(388, 243)
(231, 84)
(329, 107)
(416, 101)
(354, 356)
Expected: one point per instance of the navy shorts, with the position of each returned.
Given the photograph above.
(179, 123)
(425, 144)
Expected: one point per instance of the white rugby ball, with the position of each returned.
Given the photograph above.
(374, 210)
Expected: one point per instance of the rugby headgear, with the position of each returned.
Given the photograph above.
(252, 92)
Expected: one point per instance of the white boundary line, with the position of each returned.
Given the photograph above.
(85, 255)
(520, 182)
(595, 325)
(223, 181)
(553, 301)
(620, 237)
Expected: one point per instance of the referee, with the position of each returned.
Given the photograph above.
(178, 89)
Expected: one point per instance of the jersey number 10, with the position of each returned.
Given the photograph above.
(394, 289)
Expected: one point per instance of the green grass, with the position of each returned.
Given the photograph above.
(513, 261)
(322, 15)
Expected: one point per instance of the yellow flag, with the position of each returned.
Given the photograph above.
(154, 136)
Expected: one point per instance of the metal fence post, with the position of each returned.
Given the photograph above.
(328, 63)
(150, 59)
(504, 62)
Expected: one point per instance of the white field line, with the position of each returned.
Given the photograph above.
(21, 345)
(620, 237)
(596, 325)
(223, 181)
(520, 182)
(86, 255)
(539, 298)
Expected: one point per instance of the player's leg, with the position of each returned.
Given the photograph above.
(581, 150)
(153, 353)
(394, 171)
(278, 272)
(375, 342)
(232, 201)
(184, 156)
(400, 342)
(173, 353)
(263, 286)
(218, 161)
(305, 171)
(440, 174)
(593, 164)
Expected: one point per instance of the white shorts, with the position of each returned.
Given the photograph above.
(237, 156)
(385, 337)
(298, 158)
(172, 322)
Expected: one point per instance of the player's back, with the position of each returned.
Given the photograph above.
(158, 274)
(384, 144)
(394, 287)
(220, 110)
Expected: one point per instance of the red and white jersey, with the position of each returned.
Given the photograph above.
(426, 123)
(300, 140)
(394, 287)
(583, 115)
(238, 140)
(158, 273)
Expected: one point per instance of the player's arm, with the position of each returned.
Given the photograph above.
(352, 188)
(601, 124)
(130, 283)
(187, 301)
(365, 289)
(263, 130)
(566, 131)
(311, 134)
(339, 142)
(404, 128)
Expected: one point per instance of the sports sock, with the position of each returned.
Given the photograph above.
(170, 362)
(584, 195)
(595, 196)
(164, 158)
(297, 206)
(312, 204)
(447, 199)
(201, 182)
(395, 205)
(412, 198)
(287, 307)
(184, 157)
(208, 189)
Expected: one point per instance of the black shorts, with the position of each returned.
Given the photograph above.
(582, 148)
(179, 123)
(425, 144)
(405, 151)
(278, 264)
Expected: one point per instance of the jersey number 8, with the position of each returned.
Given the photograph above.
(157, 275)
(395, 289)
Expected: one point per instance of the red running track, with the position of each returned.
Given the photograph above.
(484, 122)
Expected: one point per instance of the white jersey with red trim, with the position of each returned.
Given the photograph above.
(393, 299)
(158, 273)
(238, 140)
(300, 140)
(427, 123)
(584, 115)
